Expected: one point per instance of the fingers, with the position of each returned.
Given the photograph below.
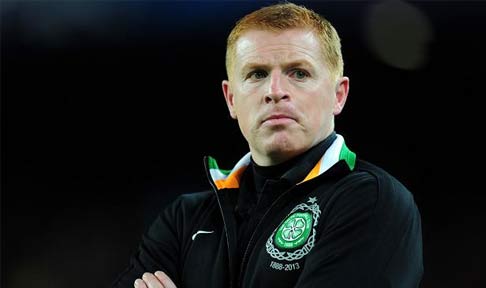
(157, 280)
(148, 281)
(166, 281)
(139, 284)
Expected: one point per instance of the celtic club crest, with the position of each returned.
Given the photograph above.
(296, 231)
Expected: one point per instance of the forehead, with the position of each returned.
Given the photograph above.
(261, 46)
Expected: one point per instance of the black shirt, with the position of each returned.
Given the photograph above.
(262, 185)
(366, 233)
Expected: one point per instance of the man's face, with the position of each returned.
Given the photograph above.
(281, 93)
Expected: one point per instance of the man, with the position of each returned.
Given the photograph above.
(300, 209)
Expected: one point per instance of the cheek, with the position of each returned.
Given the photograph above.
(244, 114)
(314, 105)
(317, 108)
(246, 104)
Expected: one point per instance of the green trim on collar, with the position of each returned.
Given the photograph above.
(214, 165)
(348, 156)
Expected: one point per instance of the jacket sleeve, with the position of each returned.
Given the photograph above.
(159, 249)
(371, 237)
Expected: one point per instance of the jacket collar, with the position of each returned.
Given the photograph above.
(338, 151)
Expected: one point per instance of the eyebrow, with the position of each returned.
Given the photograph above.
(296, 63)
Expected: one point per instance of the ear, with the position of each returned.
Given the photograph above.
(342, 90)
(229, 97)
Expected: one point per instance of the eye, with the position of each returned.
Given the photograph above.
(299, 74)
(257, 75)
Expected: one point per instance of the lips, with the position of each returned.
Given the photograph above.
(278, 118)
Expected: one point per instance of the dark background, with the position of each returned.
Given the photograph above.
(109, 106)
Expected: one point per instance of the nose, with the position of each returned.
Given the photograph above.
(277, 90)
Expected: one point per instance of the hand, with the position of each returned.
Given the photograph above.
(157, 280)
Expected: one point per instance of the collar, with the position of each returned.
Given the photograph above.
(337, 151)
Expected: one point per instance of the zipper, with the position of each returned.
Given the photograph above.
(230, 258)
(250, 242)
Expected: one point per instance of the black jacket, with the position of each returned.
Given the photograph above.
(347, 223)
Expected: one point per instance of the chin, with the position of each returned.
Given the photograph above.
(283, 148)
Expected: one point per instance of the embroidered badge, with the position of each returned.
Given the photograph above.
(295, 237)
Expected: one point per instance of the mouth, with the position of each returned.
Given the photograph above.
(278, 119)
